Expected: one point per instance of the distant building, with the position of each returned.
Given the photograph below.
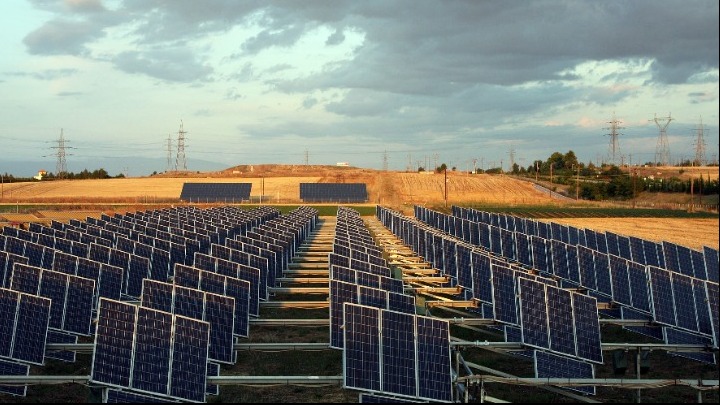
(343, 164)
(40, 175)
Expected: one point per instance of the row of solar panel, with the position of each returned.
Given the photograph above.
(333, 192)
(700, 264)
(624, 282)
(386, 348)
(216, 192)
(539, 313)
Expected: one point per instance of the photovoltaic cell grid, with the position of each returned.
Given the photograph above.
(115, 396)
(24, 320)
(54, 336)
(12, 368)
(397, 354)
(134, 348)
(215, 192)
(548, 365)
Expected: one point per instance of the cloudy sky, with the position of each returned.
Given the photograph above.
(410, 81)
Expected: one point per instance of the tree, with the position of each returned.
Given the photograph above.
(570, 160)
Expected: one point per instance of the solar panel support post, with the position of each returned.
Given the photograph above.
(638, 397)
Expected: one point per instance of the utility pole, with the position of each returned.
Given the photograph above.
(474, 166)
(662, 149)
(577, 183)
(512, 157)
(634, 187)
(180, 161)
(446, 181)
(537, 168)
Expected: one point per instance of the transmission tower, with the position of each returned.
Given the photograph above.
(662, 150)
(169, 165)
(614, 150)
(61, 165)
(700, 158)
(180, 162)
(512, 157)
(385, 161)
(307, 157)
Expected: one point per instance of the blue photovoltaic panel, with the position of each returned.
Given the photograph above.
(711, 263)
(533, 313)
(12, 368)
(624, 247)
(482, 277)
(484, 235)
(152, 351)
(558, 254)
(573, 235)
(602, 273)
(340, 293)
(539, 254)
(78, 304)
(513, 334)
(620, 280)
(433, 354)
(698, 263)
(671, 256)
(25, 278)
(601, 241)
(560, 320)
(587, 268)
(54, 287)
(213, 370)
(612, 243)
(372, 297)
(114, 396)
(110, 283)
(138, 270)
(157, 295)
(465, 277)
(11, 260)
(401, 303)
(361, 356)
(33, 315)
(495, 240)
(189, 360)
(702, 308)
(522, 247)
(112, 357)
(572, 262)
(685, 260)
(712, 295)
(366, 279)
(684, 302)
(651, 253)
(639, 287)
(591, 239)
(637, 250)
(662, 296)
(503, 282)
(8, 312)
(220, 313)
(398, 354)
(186, 276)
(587, 328)
(655, 332)
(674, 336)
(548, 365)
(60, 337)
(239, 290)
(508, 244)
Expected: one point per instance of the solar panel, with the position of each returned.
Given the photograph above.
(684, 257)
(361, 352)
(675, 336)
(655, 332)
(150, 351)
(539, 254)
(662, 296)
(639, 288)
(671, 256)
(25, 278)
(533, 313)
(651, 253)
(711, 263)
(558, 259)
(602, 273)
(433, 354)
(333, 192)
(482, 277)
(503, 283)
(712, 295)
(702, 308)
(12, 368)
(587, 328)
(340, 293)
(54, 336)
(215, 192)
(213, 370)
(560, 320)
(548, 365)
(698, 264)
(364, 398)
(114, 396)
(620, 280)
(684, 302)
(398, 354)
